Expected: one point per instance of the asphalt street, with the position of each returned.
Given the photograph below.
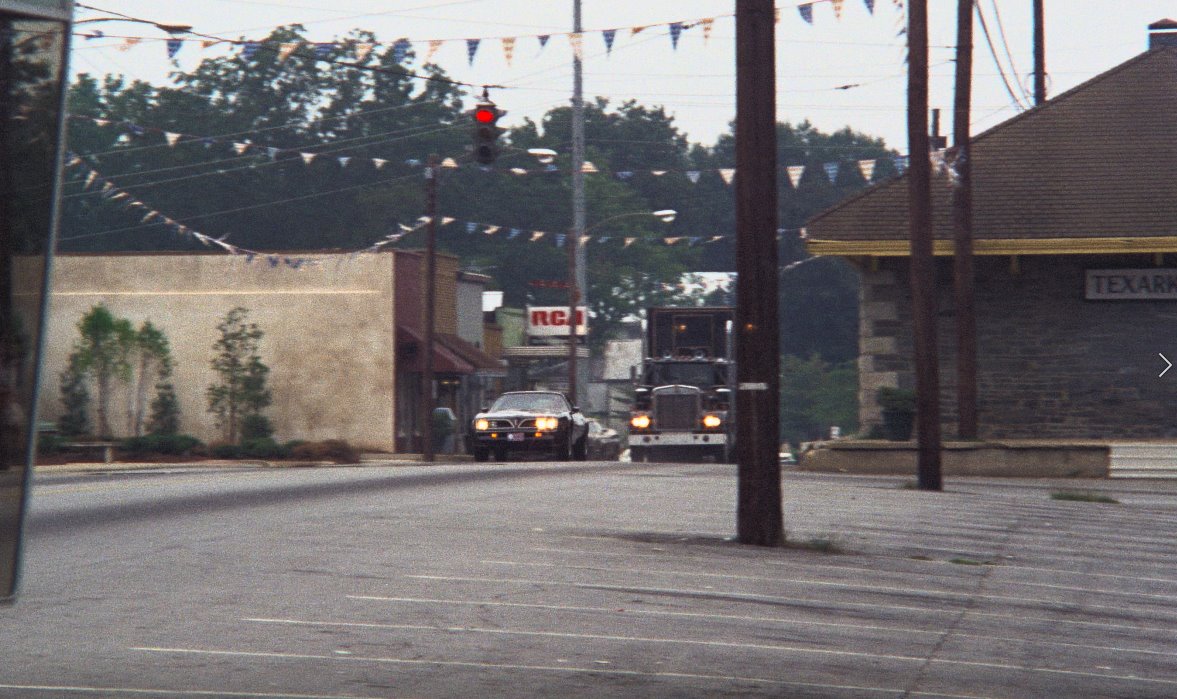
(598, 579)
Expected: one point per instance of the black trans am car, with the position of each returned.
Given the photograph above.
(530, 422)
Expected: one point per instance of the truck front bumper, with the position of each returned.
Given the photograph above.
(677, 439)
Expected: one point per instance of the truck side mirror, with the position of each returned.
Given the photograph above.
(576, 408)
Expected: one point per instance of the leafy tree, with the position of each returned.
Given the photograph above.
(75, 398)
(241, 388)
(153, 366)
(816, 395)
(101, 353)
(165, 411)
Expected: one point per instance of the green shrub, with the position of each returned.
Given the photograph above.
(335, 450)
(170, 444)
(50, 444)
(255, 427)
(262, 448)
(897, 399)
(226, 451)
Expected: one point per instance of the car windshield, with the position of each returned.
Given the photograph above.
(687, 373)
(531, 402)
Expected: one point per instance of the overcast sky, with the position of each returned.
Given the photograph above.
(695, 83)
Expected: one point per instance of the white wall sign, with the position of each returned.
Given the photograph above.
(1153, 284)
(552, 321)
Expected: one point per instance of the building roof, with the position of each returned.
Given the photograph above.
(1096, 164)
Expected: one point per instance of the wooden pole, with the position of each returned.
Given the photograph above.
(962, 227)
(759, 519)
(1039, 53)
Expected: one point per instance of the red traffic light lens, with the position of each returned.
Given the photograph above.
(483, 115)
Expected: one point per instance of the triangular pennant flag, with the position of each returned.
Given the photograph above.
(707, 28)
(127, 44)
(716, 238)
(559, 238)
(209, 42)
(491, 230)
(344, 160)
(625, 174)
(604, 239)
(868, 169)
(518, 171)
(777, 15)
(379, 162)
(628, 242)
(274, 260)
(285, 49)
(675, 32)
(837, 8)
(449, 162)
(831, 171)
(447, 220)
(691, 241)
(513, 234)
(323, 49)
(728, 174)
(308, 157)
(536, 235)
(588, 167)
(657, 173)
(870, 6)
(609, 35)
(471, 49)
(434, 45)
(576, 39)
(400, 50)
(272, 152)
(150, 215)
(936, 158)
(638, 30)
(508, 49)
(806, 11)
(413, 162)
(672, 241)
(174, 46)
(249, 49)
(171, 138)
(585, 238)
(543, 41)
(900, 163)
(120, 196)
(362, 51)
(795, 172)
(102, 122)
(471, 227)
(240, 148)
(693, 176)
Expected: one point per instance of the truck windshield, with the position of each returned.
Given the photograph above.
(686, 373)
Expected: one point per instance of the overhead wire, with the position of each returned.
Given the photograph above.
(996, 61)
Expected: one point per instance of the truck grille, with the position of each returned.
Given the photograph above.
(676, 411)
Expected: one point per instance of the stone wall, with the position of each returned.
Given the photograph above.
(1050, 363)
(329, 334)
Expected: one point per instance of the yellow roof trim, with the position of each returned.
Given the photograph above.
(1023, 246)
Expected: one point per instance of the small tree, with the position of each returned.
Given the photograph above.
(153, 366)
(241, 388)
(165, 411)
(75, 399)
(102, 354)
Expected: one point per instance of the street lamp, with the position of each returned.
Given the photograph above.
(169, 28)
(664, 215)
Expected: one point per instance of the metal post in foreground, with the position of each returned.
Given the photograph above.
(758, 514)
(573, 301)
(432, 173)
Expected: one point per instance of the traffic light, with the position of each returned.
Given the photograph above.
(486, 132)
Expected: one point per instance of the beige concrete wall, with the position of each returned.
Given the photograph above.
(994, 459)
(329, 334)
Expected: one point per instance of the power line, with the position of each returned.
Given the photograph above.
(996, 61)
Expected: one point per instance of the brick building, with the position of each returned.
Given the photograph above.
(1075, 229)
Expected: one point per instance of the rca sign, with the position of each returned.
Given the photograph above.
(552, 321)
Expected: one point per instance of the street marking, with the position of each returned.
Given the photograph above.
(553, 668)
(1068, 588)
(693, 642)
(1169, 365)
(779, 620)
(754, 597)
(175, 692)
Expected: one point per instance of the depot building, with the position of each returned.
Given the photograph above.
(1075, 237)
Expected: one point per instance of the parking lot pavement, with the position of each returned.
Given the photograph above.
(624, 583)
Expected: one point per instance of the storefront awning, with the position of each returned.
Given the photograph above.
(451, 354)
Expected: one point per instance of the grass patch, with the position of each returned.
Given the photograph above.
(1083, 496)
(966, 562)
(824, 543)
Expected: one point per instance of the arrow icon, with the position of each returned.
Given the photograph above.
(1167, 362)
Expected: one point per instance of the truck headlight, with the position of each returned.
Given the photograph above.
(641, 422)
(482, 425)
(546, 423)
(712, 421)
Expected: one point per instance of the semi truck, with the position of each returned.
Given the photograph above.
(684, 404)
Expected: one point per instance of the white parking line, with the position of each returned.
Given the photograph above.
(613, 611)
(124, 691)
(551, 668)
(713, 644)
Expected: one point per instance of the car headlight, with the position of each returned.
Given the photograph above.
(482, 425)
(546, 423)
(641, 421)
(712, 421)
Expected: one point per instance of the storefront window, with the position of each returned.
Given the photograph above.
(32, 65)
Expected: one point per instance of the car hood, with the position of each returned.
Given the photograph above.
(510, 414)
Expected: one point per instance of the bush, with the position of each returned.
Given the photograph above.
(262, 448)
(335, 450)
(255, 427)
(50, 444)
(225, 451)
(170, 444)
(896, 399)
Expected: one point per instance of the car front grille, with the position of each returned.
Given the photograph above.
(676, 411)
(500, 424)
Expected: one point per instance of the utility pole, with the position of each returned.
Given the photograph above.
(1039, 53)
(432, 173)
(577, 279)
(962, 229)
(758, 513)
(923, 264)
